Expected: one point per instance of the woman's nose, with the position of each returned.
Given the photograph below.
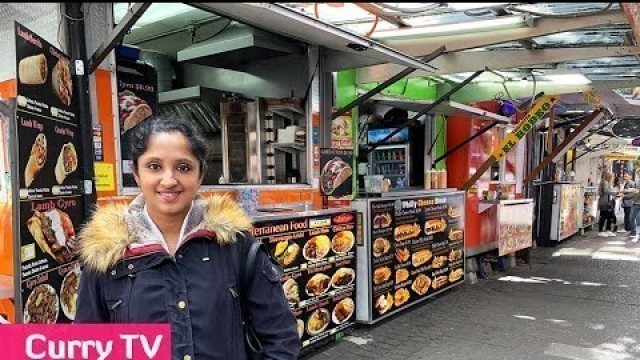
(168, 178)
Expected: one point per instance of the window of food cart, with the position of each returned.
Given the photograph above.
(244, 87)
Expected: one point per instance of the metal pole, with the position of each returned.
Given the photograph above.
(484, 130)
(424, 111)
(78, 50)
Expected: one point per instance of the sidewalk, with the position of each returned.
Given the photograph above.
(582, 303)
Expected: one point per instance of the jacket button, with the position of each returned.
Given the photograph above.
(130, 267)
(187, 357)
(113, 273)
(182, 305)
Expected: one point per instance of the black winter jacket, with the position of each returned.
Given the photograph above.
(129, 277)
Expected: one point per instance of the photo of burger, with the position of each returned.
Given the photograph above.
(381, 246)
(334, 173)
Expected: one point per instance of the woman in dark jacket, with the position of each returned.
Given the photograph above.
(166, 258)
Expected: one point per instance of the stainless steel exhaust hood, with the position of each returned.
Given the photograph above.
(237, 46)
(197, 104)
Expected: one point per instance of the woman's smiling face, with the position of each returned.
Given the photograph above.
(168, 174)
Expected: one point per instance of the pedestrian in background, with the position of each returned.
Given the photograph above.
(627, 199)
(168, 257)
(606, 205)
(635, 209)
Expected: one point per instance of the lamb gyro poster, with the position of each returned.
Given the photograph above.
(317, 254)
(417, 249)
(46, 163)
(45, 83)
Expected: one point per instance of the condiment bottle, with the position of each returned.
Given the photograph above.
(427, 179)
(434, 179)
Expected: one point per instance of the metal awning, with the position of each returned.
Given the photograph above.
(447, 107)
(348, 50)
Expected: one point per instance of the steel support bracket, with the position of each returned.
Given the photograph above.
(568, 142)
(117, 34)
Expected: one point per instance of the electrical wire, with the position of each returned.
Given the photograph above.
(193, 35)
(560, 16)
(410, 11)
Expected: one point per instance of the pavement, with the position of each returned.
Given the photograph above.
(578, 300)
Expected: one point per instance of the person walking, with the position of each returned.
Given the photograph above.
(606, 204)
(170, 256)
(635, 209)
(627, 199)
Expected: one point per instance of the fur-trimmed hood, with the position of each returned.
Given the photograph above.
(116, 228)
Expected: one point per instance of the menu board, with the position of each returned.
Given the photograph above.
(137, 100)
(50, 184)
(570, 206)
(417, 249)
(515, 227)
(336, 174)
(317, 254)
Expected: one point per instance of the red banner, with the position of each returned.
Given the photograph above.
(86, 341)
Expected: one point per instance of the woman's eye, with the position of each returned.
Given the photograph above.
(184, 168)
(153, 166)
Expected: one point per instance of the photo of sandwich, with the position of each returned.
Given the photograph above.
(342, 242)
(435, 226)
(37, 158)
(381, 274)
(402, 275)
(286, 252)
(454, 211)
(67, 162)
(439, 261)
(383, 303)
(421, 284)
(381, 221)
(440, 281)
(291, 291)
(316, 248)
(343, 277)
(455, 275)
(343, 310)
(33, 70)
(334, 173)
(53, 232)
(132, 110)
(381, 246)
(421, 257)
(406, 232)
(455, 255)
(402, 254)
(317, 285)
(61, 81)
(456, 235)
(401, 297)
(69, 293)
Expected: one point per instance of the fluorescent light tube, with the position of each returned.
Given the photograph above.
(503, 22)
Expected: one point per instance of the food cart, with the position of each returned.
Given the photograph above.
(413, 248)
(560, 206)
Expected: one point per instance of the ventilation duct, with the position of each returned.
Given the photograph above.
(197, 104)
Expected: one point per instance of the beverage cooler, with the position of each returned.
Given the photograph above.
(392, 161)
(413, 248)
(559, 213)
(317, 252)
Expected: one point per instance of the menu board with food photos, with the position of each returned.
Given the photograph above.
(49, 184)
(336, 174)
(417, 249)
(317, 254)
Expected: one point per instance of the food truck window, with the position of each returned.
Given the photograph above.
(245, 98)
